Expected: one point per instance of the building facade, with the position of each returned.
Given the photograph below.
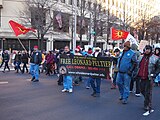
(127, 11)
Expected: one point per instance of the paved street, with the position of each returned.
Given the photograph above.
(21, 99)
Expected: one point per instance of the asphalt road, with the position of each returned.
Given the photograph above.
(21, 99)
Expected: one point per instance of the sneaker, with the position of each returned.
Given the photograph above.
(70, 90)
(97, 94)
(120, 98)
(131, 91)
(76, 84)
(87, 87)
(35, 80)
(64, 90)
(148, 112)
(124, 101)
(138, 95)
(113, 86)
(32, 78)
(93, 94)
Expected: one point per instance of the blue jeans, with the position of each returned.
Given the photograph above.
(123, 82)
(17, 65)
(67, 82)
(157, 79)
(95, 84)
(34, 70)
(88, 82)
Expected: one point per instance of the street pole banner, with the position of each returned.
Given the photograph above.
(85, 66)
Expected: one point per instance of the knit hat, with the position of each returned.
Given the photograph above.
(89, 51)
(148, 47)
(127, 44)
(77, 50)
(36, 46)
(116, 50)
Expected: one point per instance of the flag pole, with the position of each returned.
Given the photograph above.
(21, 44)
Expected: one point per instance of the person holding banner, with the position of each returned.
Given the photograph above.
(115, 60)
(35, 61)
(126, 65)
(88, 81)
(96, 82)
(67, 82)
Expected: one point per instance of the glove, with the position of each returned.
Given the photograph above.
(129, 73)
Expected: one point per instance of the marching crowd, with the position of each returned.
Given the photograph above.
(128, 66)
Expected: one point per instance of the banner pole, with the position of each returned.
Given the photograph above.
(21, 44)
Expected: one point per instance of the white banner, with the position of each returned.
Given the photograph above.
(131, 39)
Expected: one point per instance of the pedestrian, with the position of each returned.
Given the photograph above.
(157, 79)
(60, 76)
(146, 73)
(88, 81)
(35, 61)
(67, 79)
(2, 56)
(126, 64)
(115, 69)
(96, 82)
(17, 61)
(24, 59)
(49, 61)
(134, 47)
(43, 63)
(77, 78)
(5, 57)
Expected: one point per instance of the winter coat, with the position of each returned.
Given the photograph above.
(49, 58)
(17, 58)
(5, 57)
(36, 57)
(24, 58)
(151, 66)
(157, 69)
(127, 61)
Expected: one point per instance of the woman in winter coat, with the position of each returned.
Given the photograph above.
(49, 62)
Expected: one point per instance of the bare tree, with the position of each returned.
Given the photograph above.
(39, 14)
(153, 29)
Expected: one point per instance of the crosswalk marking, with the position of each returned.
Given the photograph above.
(3, 82)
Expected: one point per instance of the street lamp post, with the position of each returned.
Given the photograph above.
(75, 24)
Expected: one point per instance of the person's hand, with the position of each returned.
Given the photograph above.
(129, 73)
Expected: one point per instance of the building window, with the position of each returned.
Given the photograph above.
(84, 4)
(99, 8)
(63, 1)
(78, 3)
(89, 5)
(38, 17)
(70, 2)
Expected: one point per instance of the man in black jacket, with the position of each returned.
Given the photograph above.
(6, 58)
(35, 61)
(24, 59)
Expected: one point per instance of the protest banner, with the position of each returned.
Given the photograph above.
(85, 66)
(142, 45)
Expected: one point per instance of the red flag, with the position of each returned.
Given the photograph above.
(19, 29)
(118, 34)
